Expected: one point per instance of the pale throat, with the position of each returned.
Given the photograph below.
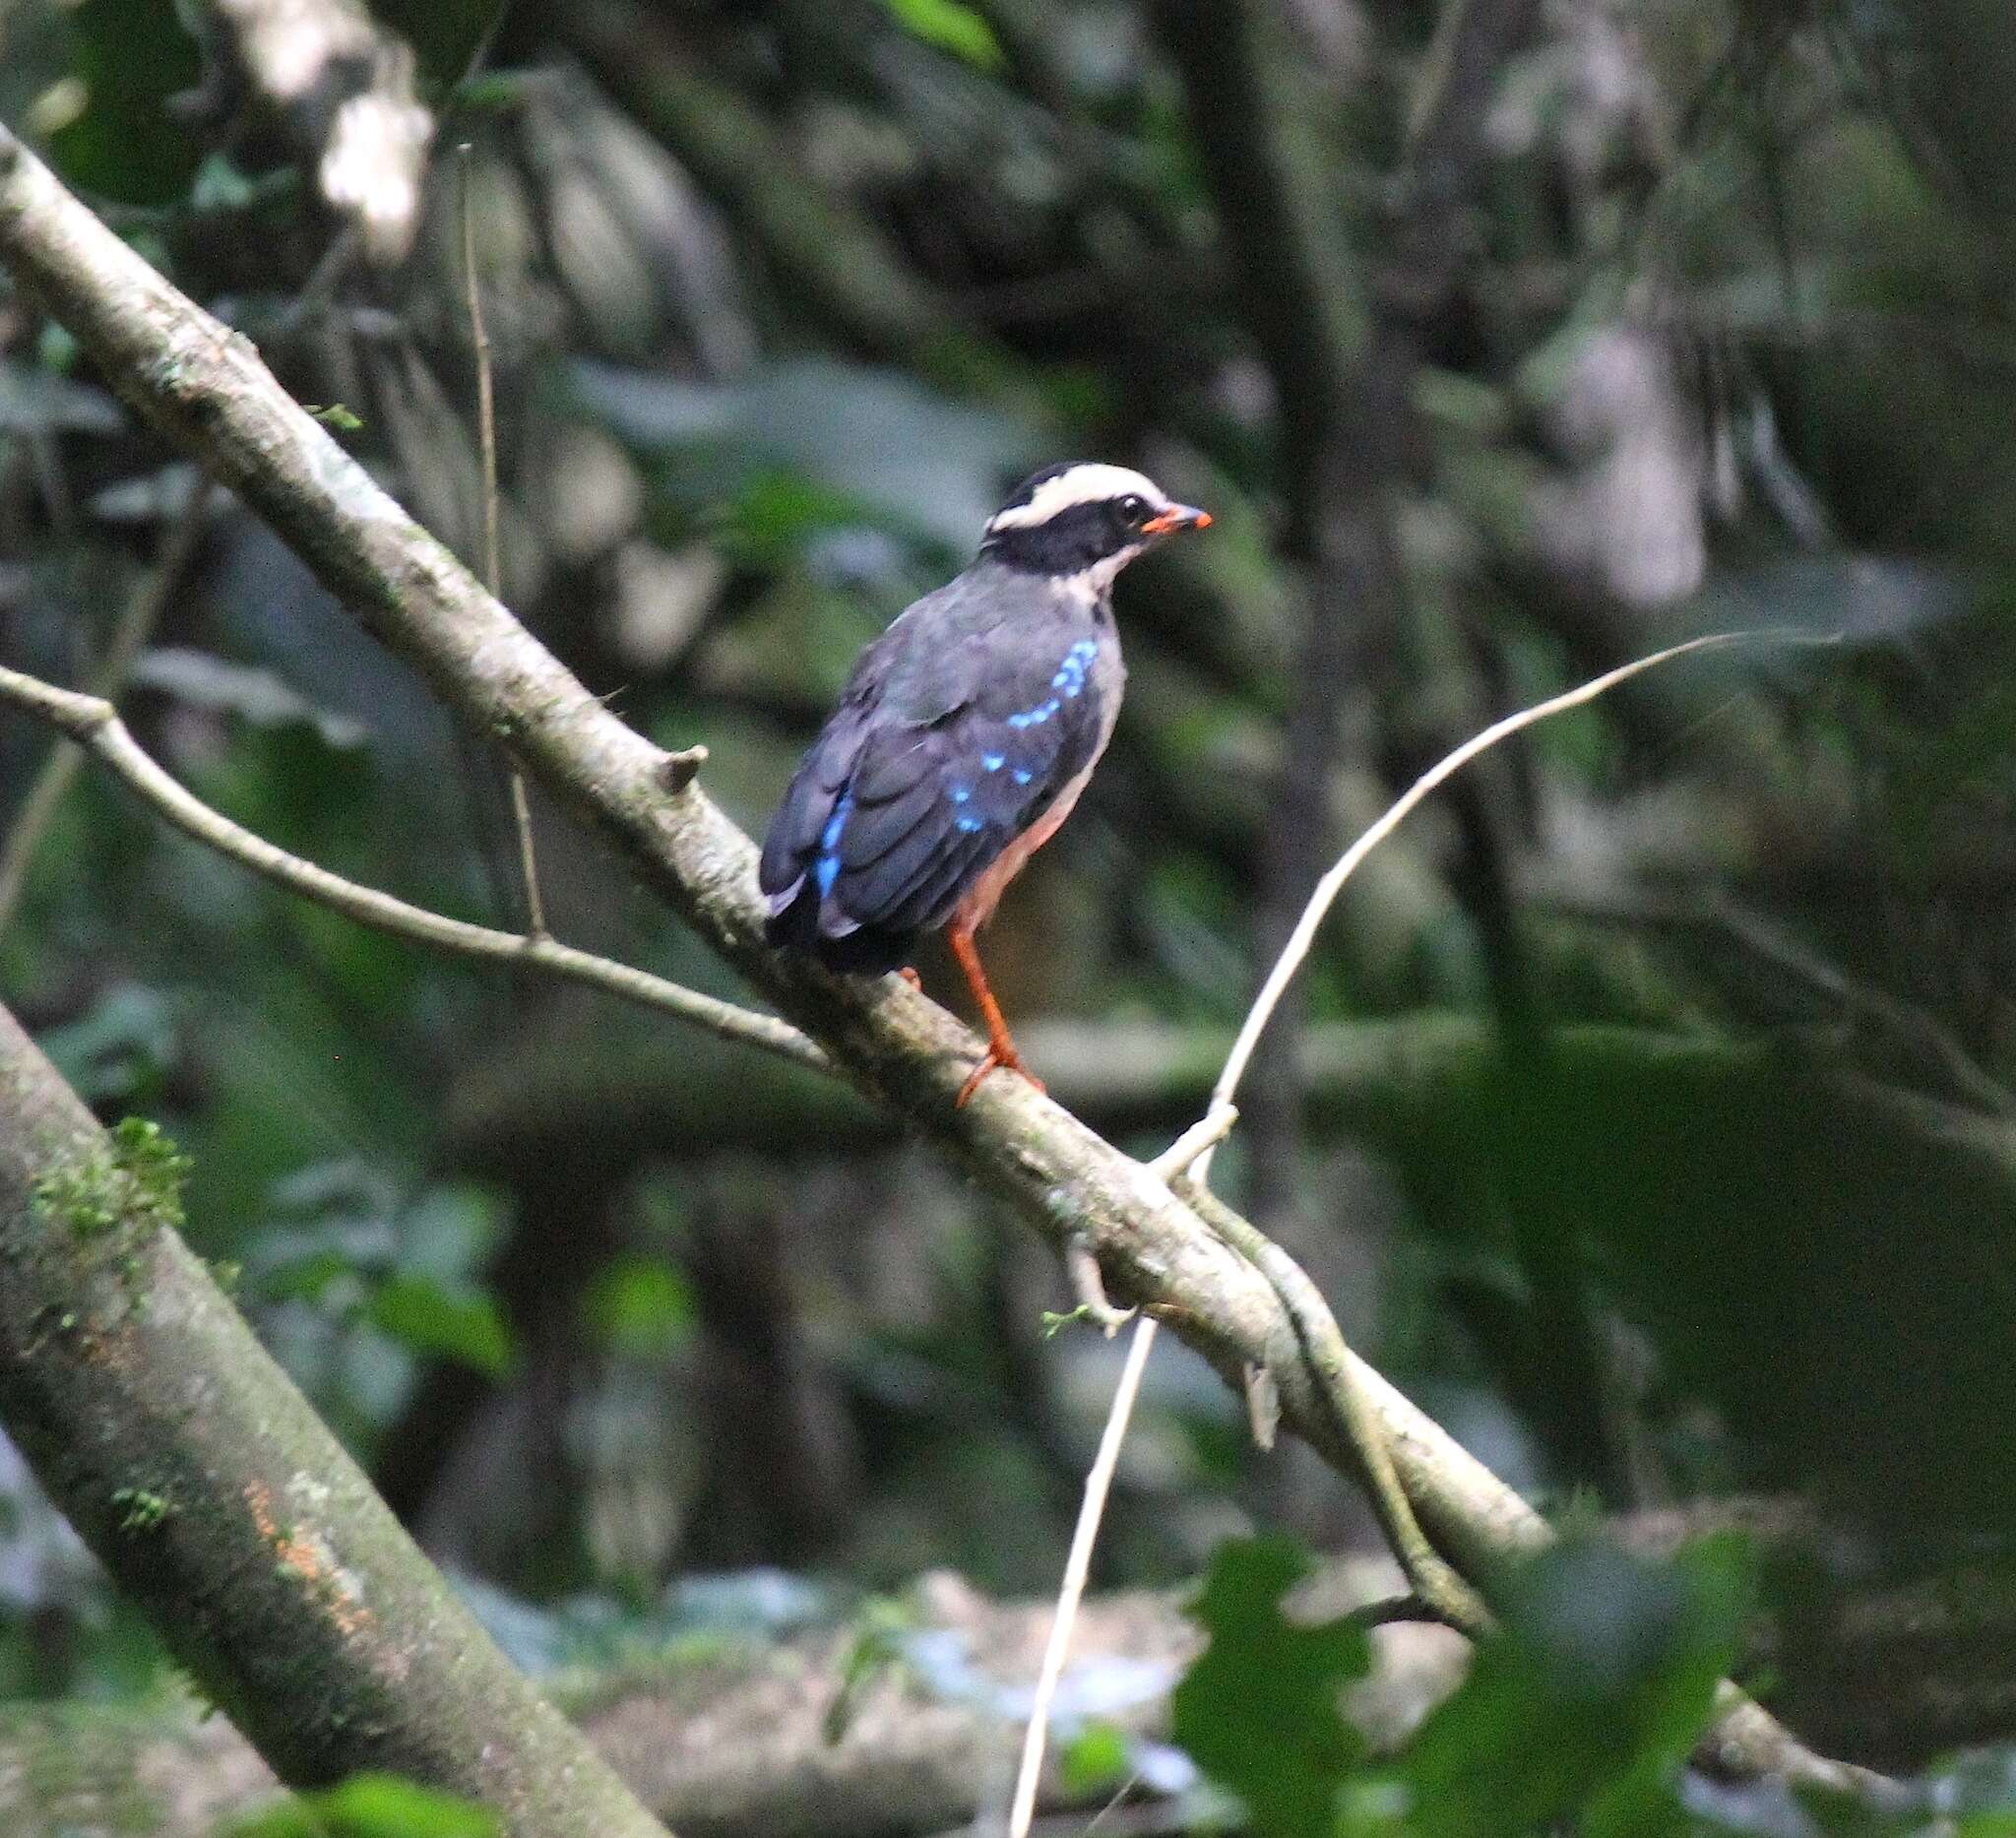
(1093, 583)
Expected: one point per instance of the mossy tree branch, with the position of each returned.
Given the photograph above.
(220, 1503)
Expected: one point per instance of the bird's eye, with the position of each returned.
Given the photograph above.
(1132, 510)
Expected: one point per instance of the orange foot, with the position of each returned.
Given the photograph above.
(1000, 1043)
(1005, 1057)
(910, 976)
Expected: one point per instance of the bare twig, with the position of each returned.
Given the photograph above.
(1210, 1129)
(1442, 1591)
(493, 561)
(680, 770)
(95, 725)
(135, 625)
(1437, 1586)
(1331, 885)
(1077, 1567)
(1081, 1265)
(1440, 1588)
(1388, 1611)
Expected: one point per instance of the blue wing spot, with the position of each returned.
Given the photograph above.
(1035, 717)
(1070, 676)
(1023, 777)
(960, 793)
(827, 872)
(967, 824)
(992, 762)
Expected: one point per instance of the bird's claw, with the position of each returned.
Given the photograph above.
(1008, 1060)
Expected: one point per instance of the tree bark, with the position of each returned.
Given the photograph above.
(206, 1485)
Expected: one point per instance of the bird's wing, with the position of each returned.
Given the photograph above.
(913, 789)
(918, 675)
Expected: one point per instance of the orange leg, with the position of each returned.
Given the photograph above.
(910, 976)
(1000, 1043)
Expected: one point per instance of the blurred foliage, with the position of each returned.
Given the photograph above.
(1259, 1711)
(124, 142)
(372, 1805)
(1578, 1714)
(1651, 1110)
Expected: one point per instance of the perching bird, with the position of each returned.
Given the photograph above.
(964, 737)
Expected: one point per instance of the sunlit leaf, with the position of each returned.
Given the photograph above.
(422, 1315)
(639, 1306)
(1095, 1758)
(951, 27)
(372, 1805)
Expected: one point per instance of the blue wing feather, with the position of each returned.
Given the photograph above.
(954, 737)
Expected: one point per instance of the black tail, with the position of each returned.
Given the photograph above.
(873, 951)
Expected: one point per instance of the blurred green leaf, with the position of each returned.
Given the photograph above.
(421, 1314)
(252, 693)
(775, 511)
(45, 401)
(306, 1279)
(1581, 1706)
(642, 1306)
(1095, 1759)
(887, 444)
(1259, 1711)
(875, 1651)
(951, 27)
(372, 1805)
(119, 1049)
(131, 55)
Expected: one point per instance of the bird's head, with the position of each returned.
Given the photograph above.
(1083, 521)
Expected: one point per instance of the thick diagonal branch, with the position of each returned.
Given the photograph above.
(208, 389)
(203, 1482)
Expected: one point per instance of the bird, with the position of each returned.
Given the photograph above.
(963, 738)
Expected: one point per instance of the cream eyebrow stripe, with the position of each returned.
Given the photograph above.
(1082, 484)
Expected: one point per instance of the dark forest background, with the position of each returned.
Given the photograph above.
(1646, 1110)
